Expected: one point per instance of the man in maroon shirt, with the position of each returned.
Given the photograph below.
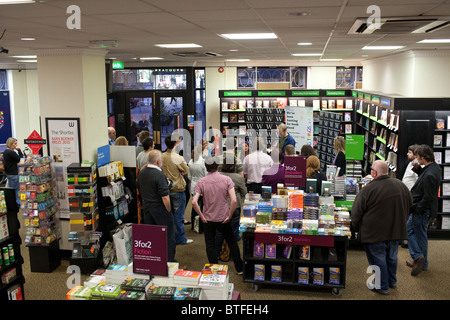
(216, 189)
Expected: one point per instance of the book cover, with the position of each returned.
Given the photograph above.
(187, 274)
(340, 104)
(242, 104)
(348, 104)
(287, 251)
(266, 103)
(271, 250)
(318, 276)
(437, 140)
(131, 295)
(259, 272)
(305, 252)
(106, 291)
(233, 105)
(213, 280)
(224, 105)
(233, 117)
(303, 275)
(281, 103)
(161, 293)
(183, 293)
(258, 251)
(440, 124)
(348, 129)
(135, 284)
(335, 275)
(258, 103)
(212, 268)
(348, 116)
(324, 104)
(276, 272)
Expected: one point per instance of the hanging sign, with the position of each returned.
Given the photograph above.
(35, 142)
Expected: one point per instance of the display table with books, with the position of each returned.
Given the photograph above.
(118, 282)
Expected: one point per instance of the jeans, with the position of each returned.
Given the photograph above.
(384, 255)
(13, 182)
(417, 235)
(210, 229)
(234, 223)
(161, 217)
(179, 205)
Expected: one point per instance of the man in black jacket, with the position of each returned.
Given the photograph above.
(425, 206)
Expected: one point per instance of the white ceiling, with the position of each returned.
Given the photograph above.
(138, 25)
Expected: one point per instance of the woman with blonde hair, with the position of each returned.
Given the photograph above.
(339, 159)
(121, 141)
(313, 172)
(11, 157)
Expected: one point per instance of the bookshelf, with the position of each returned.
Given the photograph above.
(258, 270)
(11, 274)
(409, 121)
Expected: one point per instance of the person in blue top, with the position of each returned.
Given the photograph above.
(285, 138)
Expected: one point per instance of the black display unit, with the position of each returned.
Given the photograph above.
(10, 239)
(409, 121)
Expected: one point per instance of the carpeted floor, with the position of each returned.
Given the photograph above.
(433, 284)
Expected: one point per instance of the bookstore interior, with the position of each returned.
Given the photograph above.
(73, 227)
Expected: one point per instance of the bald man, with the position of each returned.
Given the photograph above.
(156, 206)
(111, 135)
(379, 214)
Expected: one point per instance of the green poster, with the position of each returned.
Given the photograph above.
(354, 147)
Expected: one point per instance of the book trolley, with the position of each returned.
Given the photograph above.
(290, 239)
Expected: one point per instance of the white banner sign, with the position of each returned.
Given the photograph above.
(300, 125)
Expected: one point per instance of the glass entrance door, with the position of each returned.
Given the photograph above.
(170, 109)
(141, 117)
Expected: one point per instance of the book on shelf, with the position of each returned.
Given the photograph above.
(258, 250)
(249, 104)
(281, 103)
(293, 102)
(301, 103)
(318, 276)
(440, 124)
(348, 128)
(331, 104)
(266, 103)
(347, 116)
(242, 104)
(224, 105)
(258, 103)
(304, 252)
(233, 117)
(339, 104)
(287, 251)
(276, 272)
(259, 272)
(241, 117)
(186, 277)
(348, 104)
(224, 117)
(161, 293)
(437, 140)
(233, 105)
(131, 295)
(334, 275)
(215, 268)
(79, 293)
(303, 275)
(271, 250)
(105, 291)
(213, 280)
(324, 104)
(184, 293)
(135, 284)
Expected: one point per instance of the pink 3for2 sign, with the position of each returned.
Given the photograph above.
(149, 249)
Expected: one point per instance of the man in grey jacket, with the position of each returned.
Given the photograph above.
(379, 213)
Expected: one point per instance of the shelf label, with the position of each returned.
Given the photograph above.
(315, 93)
(295, 239)
(335, 93)
(237, 94)
(271, 93)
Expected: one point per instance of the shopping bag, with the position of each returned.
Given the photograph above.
(123, 244)
(197, 224)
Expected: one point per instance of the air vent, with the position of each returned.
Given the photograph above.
(401, 25)
(103, 44)
(196, 54)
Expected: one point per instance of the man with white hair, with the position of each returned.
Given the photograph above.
(111, 135)
(379, 214)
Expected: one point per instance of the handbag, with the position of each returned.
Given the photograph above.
(225, 252)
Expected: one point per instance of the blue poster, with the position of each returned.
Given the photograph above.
(5, 117)
(103, 156)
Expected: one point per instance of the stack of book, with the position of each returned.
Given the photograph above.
(186, 278)
(116, 273)
(214, 282)
(79, 293)
(166, 281)
(161, 293)
(105, 291)
(134, 289)
(186, 293)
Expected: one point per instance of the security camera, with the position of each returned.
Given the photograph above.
(3, 50)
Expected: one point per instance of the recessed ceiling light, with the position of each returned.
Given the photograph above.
(24, 57)
(26, 60)
(382, 47)
(16, 1)
(306, 54)
(330, 59)
(233, 50)
(151, 58)
(299, 14)
(237, 60)
(178, 45)
(248, 36)
(27, 39)
(304, 44)
(434, 41)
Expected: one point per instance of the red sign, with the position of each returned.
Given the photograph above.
(295, 239)
(35, 142)
(295, 171)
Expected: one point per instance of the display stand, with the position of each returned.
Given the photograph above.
(326, 254)
(11, 274)
(84, 217)
(39, 208)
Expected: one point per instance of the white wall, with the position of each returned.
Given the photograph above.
(321, 78)
(215, 81)
(25, 97)
(423, 73)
